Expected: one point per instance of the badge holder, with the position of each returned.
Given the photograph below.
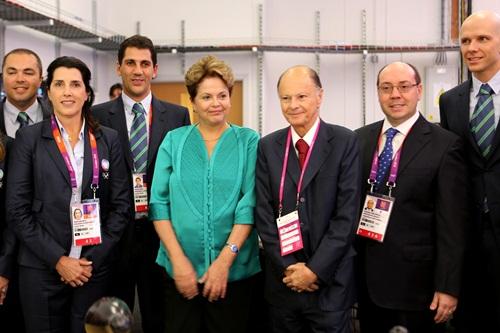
(140, 195)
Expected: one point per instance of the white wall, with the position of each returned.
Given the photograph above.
(290, 22)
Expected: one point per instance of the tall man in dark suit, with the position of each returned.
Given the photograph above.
(411, 245)
(307, 187)
(472, 110)
(22, 76)
(134, 111)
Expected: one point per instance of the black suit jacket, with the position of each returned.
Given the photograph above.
(424, 243)
(484, 172)
(328, 208)
(39, 195)
(8, 243)
(166, 117)
(46, 111)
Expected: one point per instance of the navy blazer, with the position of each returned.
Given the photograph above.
(46, 112)
(454, 106)
(328, 210)
(39, 195)
(423, 248)
(166, 117)
(8, 243)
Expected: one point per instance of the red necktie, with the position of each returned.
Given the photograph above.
(302, 148)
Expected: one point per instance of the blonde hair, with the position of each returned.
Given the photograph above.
(208, 66)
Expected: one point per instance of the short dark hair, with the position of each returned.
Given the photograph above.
(140, 42)
(312, 74)
(418, 79)
(24, 51)
(72, 62)
(114, 87)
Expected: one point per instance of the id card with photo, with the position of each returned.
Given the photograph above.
(86, 223)
(375, 216)
(140, 195)
(289, 233)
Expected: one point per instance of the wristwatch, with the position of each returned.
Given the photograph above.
(233, 247)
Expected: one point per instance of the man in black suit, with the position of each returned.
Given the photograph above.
(137, 66)
(479, 99)
(22, 76)
(411, 246)
(309, 256)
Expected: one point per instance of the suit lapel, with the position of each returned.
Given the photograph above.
(158, 126)
(118, 122)
(417, 138)
(292, 170)
(369, 149)
(2, 118)
(53, 151)
(319, 154)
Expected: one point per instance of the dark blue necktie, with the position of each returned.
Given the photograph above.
(482, 121)
(23, 119)
(385, 159)
(139, 138)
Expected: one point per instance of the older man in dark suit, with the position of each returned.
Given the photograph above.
(142, 121)
(307, 201)
(411, 248)
(472, 110)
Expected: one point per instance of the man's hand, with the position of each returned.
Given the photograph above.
(299, 278)
(444, 305)
(74, 272)
(4, 285)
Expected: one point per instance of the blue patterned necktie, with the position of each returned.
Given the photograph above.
(385, 159)
(23, 119)
(482, 121)
(139, 138)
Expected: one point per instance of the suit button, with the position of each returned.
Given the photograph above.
(301, 224)
(302, 199)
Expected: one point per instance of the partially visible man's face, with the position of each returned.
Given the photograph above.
(398, 106)
(21, 79)
(480, 44)
(300, 99)
(137, 71)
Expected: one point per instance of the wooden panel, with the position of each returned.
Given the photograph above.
(175, 92)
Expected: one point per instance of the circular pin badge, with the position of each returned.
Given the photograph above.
(105, 165)
(1, 174)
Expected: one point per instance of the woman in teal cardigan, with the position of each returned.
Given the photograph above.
(202, 202)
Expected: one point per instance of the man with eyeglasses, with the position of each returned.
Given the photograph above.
(472, 110)
(410, 247)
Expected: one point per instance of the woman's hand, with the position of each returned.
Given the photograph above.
(215, 280)
(74, 272)
(185, 278)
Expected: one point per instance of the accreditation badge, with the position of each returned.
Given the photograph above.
(375, 216)
(86, 223)
(140, 195)
(289, 233)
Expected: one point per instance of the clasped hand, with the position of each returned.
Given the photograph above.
(74, 272)
(299, 278)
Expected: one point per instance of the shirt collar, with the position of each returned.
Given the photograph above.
(128, 103)
(308, 137)
(13, 111)
(494, 83)
(404, 127)
(65, 134)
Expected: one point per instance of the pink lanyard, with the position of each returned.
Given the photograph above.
(285, 164)
(62, 148)
(393, 171)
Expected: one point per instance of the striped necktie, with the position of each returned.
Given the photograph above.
(385, 158)
(22, 119)
(139, 138)
(482, 121)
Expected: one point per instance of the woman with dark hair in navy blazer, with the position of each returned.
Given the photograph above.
(57, 166)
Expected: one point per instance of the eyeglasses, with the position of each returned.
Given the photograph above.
(403, 88)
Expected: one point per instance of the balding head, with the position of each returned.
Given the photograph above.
(480, 44)
(302, 69)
